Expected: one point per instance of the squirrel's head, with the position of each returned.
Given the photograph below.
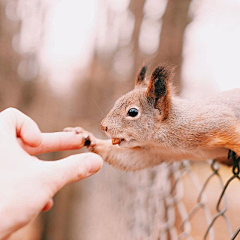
(131, 121)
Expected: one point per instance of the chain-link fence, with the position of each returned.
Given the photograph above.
(168, 215)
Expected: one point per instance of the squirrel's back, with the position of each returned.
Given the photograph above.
(201, 120)
(230, 99)
(221, 102)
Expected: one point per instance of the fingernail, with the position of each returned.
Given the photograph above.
(94, 163)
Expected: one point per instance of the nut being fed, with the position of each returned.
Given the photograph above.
(116, 141)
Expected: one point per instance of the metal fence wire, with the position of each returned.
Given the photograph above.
(166, 212)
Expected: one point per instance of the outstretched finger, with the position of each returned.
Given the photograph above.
(53, 142)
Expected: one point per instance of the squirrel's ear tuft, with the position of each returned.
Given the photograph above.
(159, 88)
(141, 75)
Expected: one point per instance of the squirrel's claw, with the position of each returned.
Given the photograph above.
(74, 129)
(89, 138)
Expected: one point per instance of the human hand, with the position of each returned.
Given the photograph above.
(27, 183)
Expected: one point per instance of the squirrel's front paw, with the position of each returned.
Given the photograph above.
(89, 138)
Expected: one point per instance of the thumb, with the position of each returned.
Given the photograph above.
(72, 169)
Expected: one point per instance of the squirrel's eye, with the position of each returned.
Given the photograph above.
(132, 112)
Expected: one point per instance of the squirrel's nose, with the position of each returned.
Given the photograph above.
(103, 127)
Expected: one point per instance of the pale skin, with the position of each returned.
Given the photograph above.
(27, 183)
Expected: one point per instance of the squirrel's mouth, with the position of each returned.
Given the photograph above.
(126, 143)
(116, 141)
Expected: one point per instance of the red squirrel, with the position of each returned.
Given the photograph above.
(149, 125)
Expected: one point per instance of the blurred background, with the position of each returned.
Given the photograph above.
(65, 62)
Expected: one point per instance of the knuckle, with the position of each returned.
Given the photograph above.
(81, 173)
(8, 117)
(10, 111)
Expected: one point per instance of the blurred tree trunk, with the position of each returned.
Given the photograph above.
(10, 90)
(175, 20)
(136, 7)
